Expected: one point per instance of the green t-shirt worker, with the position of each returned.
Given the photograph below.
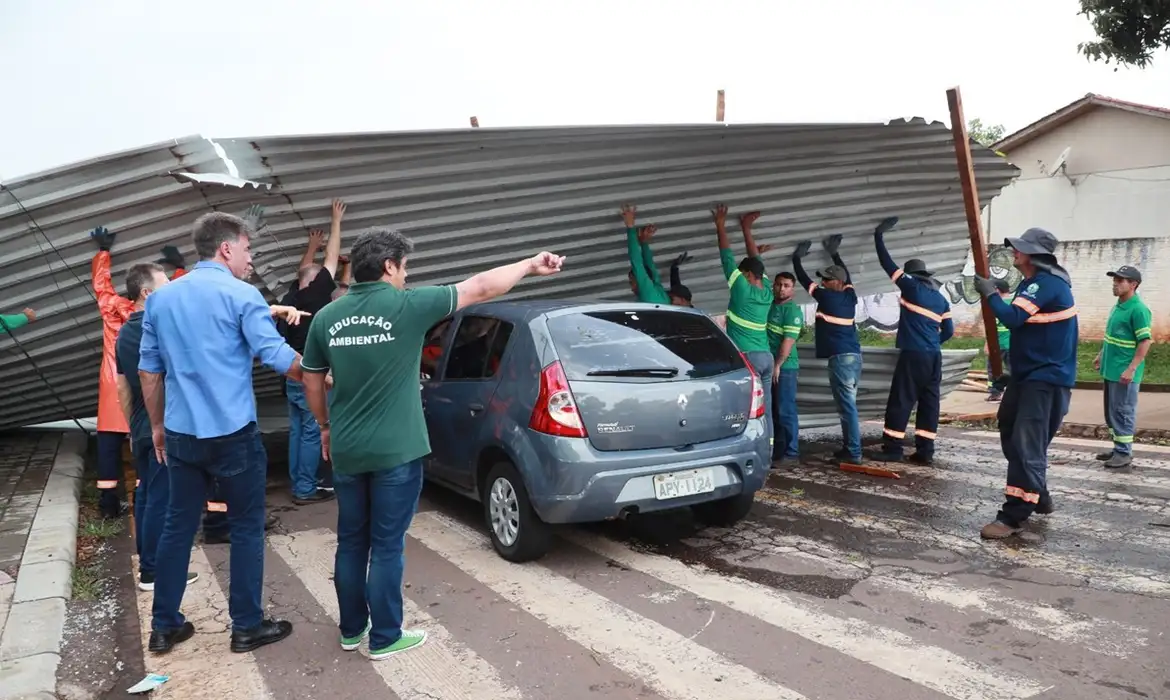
(645, 282)
(749, 300)
(785, 322)
(1122, 362)
(373, 429)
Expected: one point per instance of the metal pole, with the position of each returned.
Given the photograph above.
(974, 223)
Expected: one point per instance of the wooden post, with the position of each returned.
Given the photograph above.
(974, 223)
(719, 107)
(474, 123)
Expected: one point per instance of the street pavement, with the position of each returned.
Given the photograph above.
(838, 586)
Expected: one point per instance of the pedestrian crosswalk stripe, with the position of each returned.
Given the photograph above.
(887, 649)
(202, 668)
(665, 660)
(441, 668)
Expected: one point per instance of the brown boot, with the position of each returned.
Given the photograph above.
(996, 530)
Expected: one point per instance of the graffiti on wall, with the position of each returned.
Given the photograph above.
(962, 289)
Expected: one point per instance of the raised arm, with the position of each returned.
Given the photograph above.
(675, 276)
(745, 225)
(633, 252)
(644, 236)
(806, 282)
(316, 240)
(499, 281)
(113, 306)
(333, 245)
(832, 243)
(726, 257)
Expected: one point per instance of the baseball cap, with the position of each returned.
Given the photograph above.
(833, 272)
(1034, 241)
(1127, 272)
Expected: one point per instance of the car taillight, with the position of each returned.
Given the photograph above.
(757, 409)
(555, 412)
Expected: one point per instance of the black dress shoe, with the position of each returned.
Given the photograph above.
(267, 632)
(319, 496)
(162, 642)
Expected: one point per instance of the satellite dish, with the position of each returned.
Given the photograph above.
(1060, 161)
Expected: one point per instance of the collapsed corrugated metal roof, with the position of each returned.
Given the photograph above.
(472, 199)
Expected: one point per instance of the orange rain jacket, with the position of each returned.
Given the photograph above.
(115, 309)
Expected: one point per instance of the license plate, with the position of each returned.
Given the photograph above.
(688, 483)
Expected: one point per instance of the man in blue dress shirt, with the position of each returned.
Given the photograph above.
(200, 334)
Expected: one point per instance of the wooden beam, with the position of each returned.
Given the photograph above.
(474, 123)
(719, 107)
(974, 222)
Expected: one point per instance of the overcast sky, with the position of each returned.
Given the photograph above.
(86, 78)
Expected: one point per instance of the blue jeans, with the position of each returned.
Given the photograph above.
(238, 463)
(374, 510)
(762, 363)
(151, 499)
(844, 376)
(1121, 414)
(784, 416)
(304, 442)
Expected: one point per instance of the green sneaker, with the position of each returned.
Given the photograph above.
(352, 643)
(410, 639)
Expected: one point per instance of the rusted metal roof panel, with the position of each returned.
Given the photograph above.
(472, 199)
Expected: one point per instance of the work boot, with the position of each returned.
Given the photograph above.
(784, 463)
(267, 632)
(994, 398)
(1102, 456)
(1045, 507)
(318, 496)
(162, 642)
(885, 456)
(919, 458)
(1118, 461)
(997, 530)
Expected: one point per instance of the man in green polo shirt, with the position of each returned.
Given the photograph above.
(1122, 362)
(785, 322)
(644, 280)
(371, 340)
(749, 300)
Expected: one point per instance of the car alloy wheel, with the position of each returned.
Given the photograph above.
(505, 511)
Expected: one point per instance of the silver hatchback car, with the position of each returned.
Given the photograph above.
(564, 412)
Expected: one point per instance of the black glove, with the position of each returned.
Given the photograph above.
(802, 249)
(985, 286)
(172, 256)
(832, 243)
(103, 238)
(886, 224)
(682, 258)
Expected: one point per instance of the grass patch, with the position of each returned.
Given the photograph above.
(797, 492)
(87, 582)
(100, 528)
(1157, 361)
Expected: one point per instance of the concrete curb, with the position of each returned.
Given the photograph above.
(30, 643)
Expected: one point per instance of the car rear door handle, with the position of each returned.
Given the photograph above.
(475, 408)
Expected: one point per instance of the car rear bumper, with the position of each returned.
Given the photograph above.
(620, 482)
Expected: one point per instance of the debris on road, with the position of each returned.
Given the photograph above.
(152, 681)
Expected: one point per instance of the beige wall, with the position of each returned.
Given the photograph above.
(1103, 140)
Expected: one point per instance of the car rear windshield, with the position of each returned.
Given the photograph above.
(602, 342)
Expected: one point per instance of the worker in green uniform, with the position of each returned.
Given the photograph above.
(996, 385)
(1122, 362)
(749, 301)
(644, 280)
(785, 322)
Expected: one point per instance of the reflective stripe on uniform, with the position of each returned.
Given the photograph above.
(922, 310)
(734, 276)
(919, 432)
(893, 433)
(1025, 305)
(1054, 316)
(897, 275)
(778, 330)
(750, 325)
(107, 483)
(137, 483)
(812, 288)
(1120, 439)
(1128, 344)
(835, 319)
(1021, 494)
(214, 507)
(1142, 333)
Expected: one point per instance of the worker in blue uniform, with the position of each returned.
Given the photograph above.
(924, 325)
(836, 338)
(1042, 319)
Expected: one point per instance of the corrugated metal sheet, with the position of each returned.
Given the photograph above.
(472, 199)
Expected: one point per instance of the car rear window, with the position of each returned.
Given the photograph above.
(603, 341)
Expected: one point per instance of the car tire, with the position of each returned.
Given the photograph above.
(726, 511)
(532, 535)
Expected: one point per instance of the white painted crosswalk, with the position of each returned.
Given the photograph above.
(920, 610)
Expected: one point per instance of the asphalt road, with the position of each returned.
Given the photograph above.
(837, 586)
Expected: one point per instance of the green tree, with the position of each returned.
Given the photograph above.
(1129, 32)
(983, 133)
